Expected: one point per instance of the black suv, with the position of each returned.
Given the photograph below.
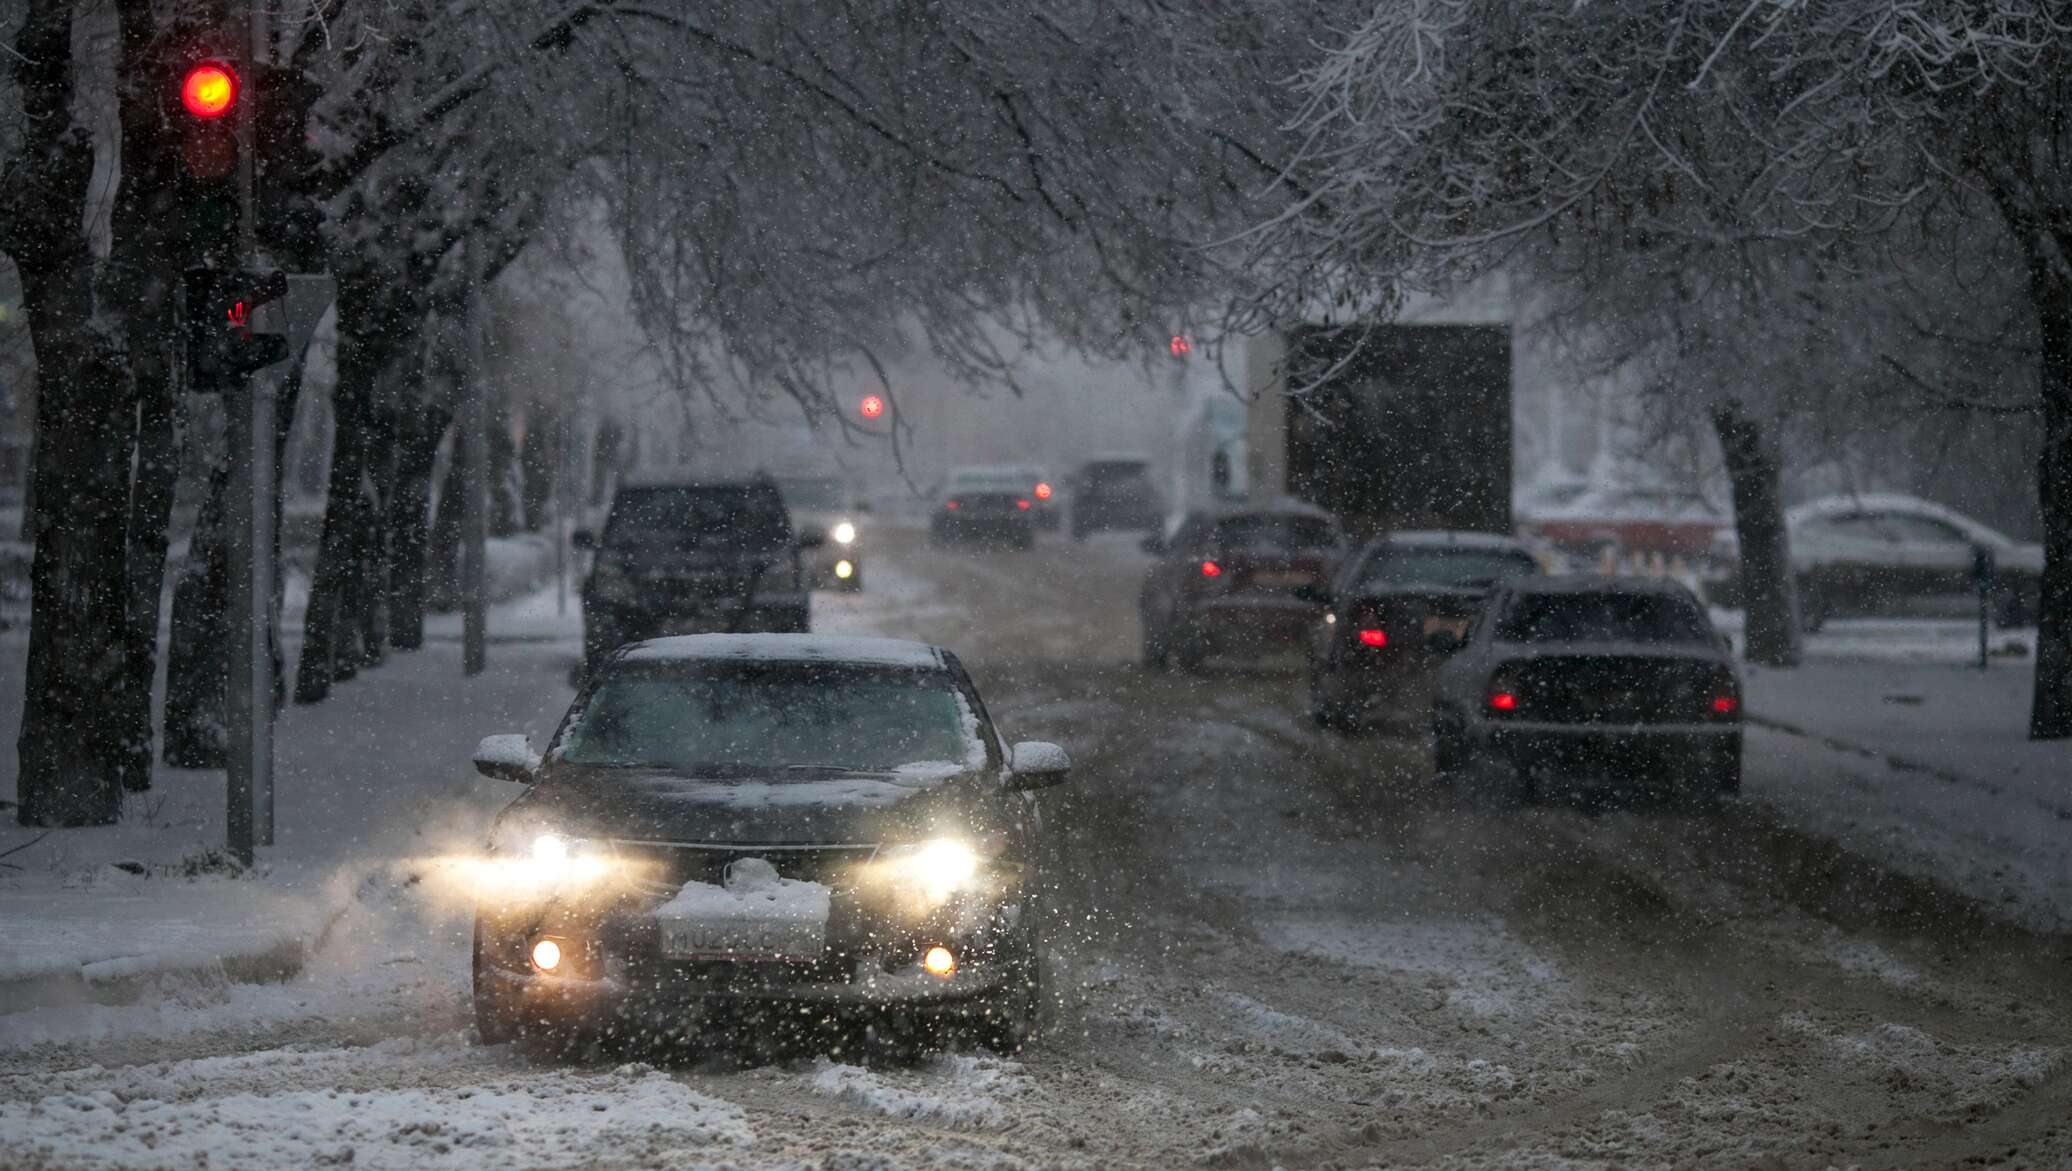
(817, 825)
(693, 557)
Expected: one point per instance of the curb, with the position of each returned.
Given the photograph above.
(125, 980)
(2061, 812)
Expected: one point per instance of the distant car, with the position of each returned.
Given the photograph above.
(1115, 492)
(693, 556)
(1883, 553)
(1584, 518)
(1592, 679)
(829, 507)
(985, 504)
(1236, 579)
(813, 825)
(1386, 602)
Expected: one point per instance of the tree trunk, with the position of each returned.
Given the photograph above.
(75, 712)
(150, 515)
(417, 449)
(197, 667)
(1769, 599)
(328, 626)
(2050, 713)
(371, 587)
(443, 563)
(539, 462)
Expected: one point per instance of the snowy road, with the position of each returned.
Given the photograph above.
(1271, 948)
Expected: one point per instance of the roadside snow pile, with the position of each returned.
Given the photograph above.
(316, 1108)
(960, 1092)
(1940, 1079)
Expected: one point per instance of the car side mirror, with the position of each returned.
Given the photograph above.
(583, 539)
(1443, 642)
(1153, 544)
(812, 537)
(507, 758)
(1037, 764)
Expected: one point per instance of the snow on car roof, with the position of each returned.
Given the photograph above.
(1452, 538)
(1847, 503)
(1597, 583)
(848, 650)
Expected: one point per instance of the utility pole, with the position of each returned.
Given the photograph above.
(249, 419)
(475, 497)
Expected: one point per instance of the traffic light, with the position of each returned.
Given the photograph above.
(221, 345)
(203, 96)
(871, 407)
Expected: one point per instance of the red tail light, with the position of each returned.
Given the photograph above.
(1724, 705)
(1022, 504)
(1502, 701)
(950, 504)
(1043, 491)
(1211, 569)
(1374, 638)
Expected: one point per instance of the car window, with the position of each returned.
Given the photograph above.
(1911, 527)
(783, 719)
(1273, 533)
(823, 494)
(1396, 567)
(1603, 617)
(745, 517)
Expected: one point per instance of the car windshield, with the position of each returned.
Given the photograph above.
(988, 482)
(788, 720)
(1395, 568)
(1603, 617)
(1271, 533)
(823, 494)
(721, 516)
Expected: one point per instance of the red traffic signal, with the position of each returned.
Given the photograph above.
(871, 407)
(1180, 345)
(209, 90)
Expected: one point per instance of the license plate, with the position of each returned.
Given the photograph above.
(744, 939)
(1281, 577)
(1456, 627)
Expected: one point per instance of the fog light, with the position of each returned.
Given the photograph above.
(939, 961)
(844, 570)
(546, 955)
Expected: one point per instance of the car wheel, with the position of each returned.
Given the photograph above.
(1813, 607)
(1326, 710)
(2011, 609)
(1446, 752)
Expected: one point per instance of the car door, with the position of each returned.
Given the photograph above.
(1931, 556)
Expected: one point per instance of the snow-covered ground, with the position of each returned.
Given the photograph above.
(1270, 947)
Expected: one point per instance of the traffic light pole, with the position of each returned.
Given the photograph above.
(249, 419)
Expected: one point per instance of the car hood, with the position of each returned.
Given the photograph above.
(665, 805)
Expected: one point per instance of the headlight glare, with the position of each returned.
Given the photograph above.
(844, 533)
(931, 871)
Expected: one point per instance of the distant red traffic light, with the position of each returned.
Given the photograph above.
(1180, 345)
(871, 407)
(209, 90)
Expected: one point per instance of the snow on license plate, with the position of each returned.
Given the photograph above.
(1453, 626)
(755, 939)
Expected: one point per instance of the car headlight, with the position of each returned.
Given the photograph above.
(844, 533)
(930, 871)
(553, 859)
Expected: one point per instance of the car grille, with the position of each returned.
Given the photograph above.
(672, 864)
(1617, 689)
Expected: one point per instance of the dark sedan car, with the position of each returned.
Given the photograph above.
(1370, 651)
(830, 826)
(693, 556)
(1591, 679)
(1115, 493)
(1235, 580)
(986, 506)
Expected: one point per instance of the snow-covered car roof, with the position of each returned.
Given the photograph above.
(1450, 538)
(1598, 583)
(843, 650)
(1843, 505)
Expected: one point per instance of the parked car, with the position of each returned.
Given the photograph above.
(1884, 553)
(693, 556)
(829, 507)
(1238, 579)
(985, 504)
(1115, 492)
(802, 823)
(1586, 679)
(1371, 646)
(1586, 519)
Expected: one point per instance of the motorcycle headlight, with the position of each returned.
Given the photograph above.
(844, 533)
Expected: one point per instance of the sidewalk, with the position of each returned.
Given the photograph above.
(378, 773)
